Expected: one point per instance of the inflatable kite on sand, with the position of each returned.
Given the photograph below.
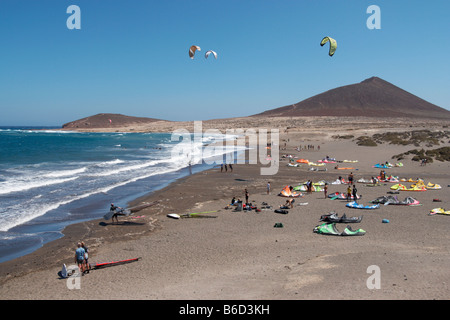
(355, 205)
(439, 211)
(385, 200)
(287, 192)
(330, 229)
(333, 217)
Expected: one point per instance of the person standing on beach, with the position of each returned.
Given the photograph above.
(354, 193)
(309, 186)
(350, 178)
(79, 257)
(268, 187)
(86, 256)
(246, 196)
(116, 213)
(349, 193)
(325, 189)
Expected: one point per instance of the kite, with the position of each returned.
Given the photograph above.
(192, 50)
(209, 52)
(333, 45)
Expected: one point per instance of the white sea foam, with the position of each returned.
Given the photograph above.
(23, 213)
(89, 178)
(109, 163)
(64, 173)
(11, 186)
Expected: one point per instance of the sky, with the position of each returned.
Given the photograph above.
(131, 57)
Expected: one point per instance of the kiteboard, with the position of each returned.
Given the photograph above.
(112, 263)
(190, 215)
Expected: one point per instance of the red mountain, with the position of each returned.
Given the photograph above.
(373, 97)
(107, 120)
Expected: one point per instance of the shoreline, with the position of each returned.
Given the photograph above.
(237, 253)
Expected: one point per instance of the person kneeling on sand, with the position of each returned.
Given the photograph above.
(289, 203)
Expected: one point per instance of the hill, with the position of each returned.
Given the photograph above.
(108, 120)
(373, 97)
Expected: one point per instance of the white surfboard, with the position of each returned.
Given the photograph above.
(173, 216)
(64, 271)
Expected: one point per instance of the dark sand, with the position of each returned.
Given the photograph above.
(240, 255)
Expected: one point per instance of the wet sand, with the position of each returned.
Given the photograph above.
(240, 255)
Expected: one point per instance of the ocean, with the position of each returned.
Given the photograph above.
(50, 179)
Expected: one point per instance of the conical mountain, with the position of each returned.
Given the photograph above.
(373, 97)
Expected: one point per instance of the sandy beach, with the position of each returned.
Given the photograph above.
(241, 255)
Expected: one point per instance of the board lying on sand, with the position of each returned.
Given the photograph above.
(112, 263)
(190, 215)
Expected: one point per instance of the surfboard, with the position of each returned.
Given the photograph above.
(64, 271)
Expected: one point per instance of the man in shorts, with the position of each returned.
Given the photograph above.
(80, 257)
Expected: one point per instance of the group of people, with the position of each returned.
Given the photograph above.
(352, 192)
(307, 147)
(234, 201)
(81, 257)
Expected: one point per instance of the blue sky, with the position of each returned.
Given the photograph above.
(131, 57)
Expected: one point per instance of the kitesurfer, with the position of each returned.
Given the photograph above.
(116, 213)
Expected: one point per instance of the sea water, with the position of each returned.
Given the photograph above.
(50, 178)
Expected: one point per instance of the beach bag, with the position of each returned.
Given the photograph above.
(281, 211)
